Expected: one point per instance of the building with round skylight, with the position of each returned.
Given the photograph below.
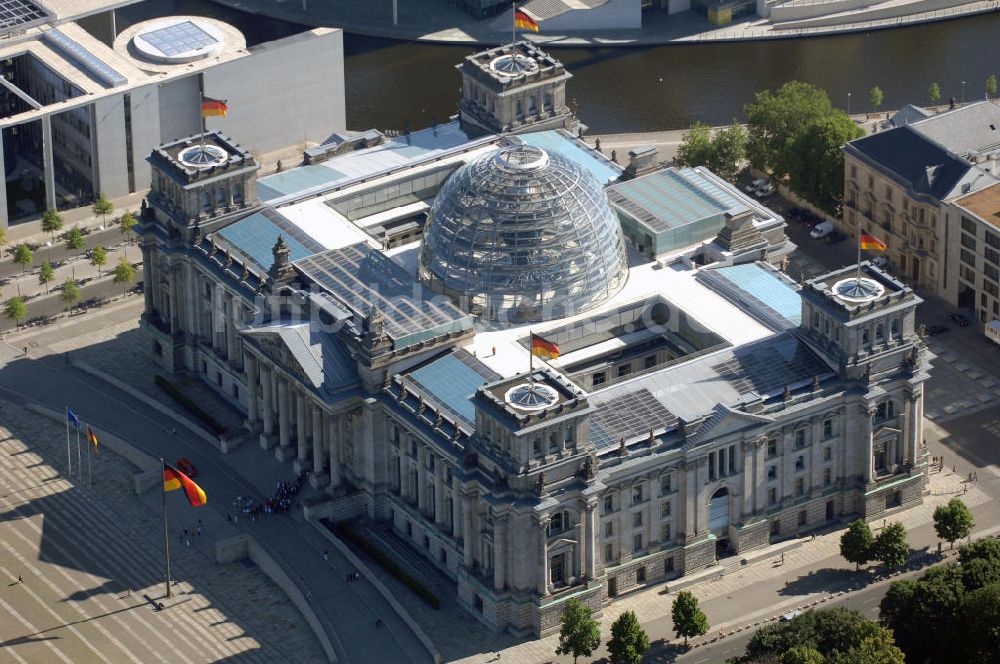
(165, 44)
(522, 235)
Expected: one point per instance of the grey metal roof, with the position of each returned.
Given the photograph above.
(964, 130)
(321, 356)
(693, 389)
(907, 115)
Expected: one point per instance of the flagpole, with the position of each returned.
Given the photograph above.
(166, 538)
(531, 359)
(69, 454)
(513, 31)
(857, 279)
(90, 477)
(79, 455)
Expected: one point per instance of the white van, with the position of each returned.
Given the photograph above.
(821, 230)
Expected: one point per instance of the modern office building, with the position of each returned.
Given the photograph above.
(972, 226)
(898, 183)
(372, 314)
(78, 118)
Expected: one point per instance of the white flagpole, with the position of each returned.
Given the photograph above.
(90, 477)
(69, 455)
(79, 455)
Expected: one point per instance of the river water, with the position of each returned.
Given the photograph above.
(393, 84)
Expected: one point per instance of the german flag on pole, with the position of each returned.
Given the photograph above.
(93, 439)
(542, 348)
(212, 107)
(174, 479)
(525, 22)
(872, 242)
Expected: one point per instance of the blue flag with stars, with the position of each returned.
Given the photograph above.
(73, 419)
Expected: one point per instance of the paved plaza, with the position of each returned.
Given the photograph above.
(92, 561)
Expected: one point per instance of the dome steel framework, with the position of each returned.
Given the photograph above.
(523, 235)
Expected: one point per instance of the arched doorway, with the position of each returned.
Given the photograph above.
(718, 520)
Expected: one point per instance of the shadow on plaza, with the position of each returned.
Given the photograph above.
(833, 579)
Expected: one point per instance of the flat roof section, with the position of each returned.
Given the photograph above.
(21, 14)
(452, 381)
(672, 198)
(553, 140)
(985, 204)
(758, 290)
(256, 235)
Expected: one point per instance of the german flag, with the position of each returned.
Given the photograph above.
(93, 439)
(525, 22)
(872, 242)
(542, 348)
(212, 107)
(174, 479)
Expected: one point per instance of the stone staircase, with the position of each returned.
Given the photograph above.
(408, 557)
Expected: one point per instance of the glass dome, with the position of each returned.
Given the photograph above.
(522, 235)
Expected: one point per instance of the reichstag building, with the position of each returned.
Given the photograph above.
(372, 313)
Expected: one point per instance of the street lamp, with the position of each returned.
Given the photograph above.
(848, 103)
(963, 92)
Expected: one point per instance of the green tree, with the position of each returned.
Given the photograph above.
(775, 118)
(729, 147)
(51, 223)
(69, 293)
(890, 547)
(991, 86)
(99, 258)
(15, 310)
(983, 549)
(126, 222)
(875, 98)
(103, 207)
(918, 612)
(979, 573)
(816, 162)
(629, 642)
(580, 634)
(856, 543)
(124, 274)
(689, 619)
(878, 648)
(934, 93)
(696, 146)
(46, 275)
(953, 521)
(979, 620)
(23, 256)
(74, 239)
(830, 632)
(802, 655)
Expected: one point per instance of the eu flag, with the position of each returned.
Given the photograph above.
(73, 419)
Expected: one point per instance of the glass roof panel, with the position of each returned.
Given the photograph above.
(179, 38)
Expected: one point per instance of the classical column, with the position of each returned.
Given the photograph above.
(868, 438)
(467, 534)
(456, 507)
(589, 538)
(191, 299)
(301, 428)
(175, 301)
(284, 420)
(499, 553)
(251, 391)
(334, 442)
(748, 447)
(317, 439)
(147, 278)
(421, 480)
(911, 428)
(439, 494)
(543, 553)
(232, 305)
(267, 405)
(691, 499)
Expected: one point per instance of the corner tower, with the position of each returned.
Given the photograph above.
(512, 89)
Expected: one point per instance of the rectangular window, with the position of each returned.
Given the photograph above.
(803, 518)
(772, 448)
(776, 527)
(827, 477)
(665, 534)
(800, 439)
(772, 472)
(800, 487)
(637, 543)
(668, 565)
(968, 242)
(800, 462)
(711, 465)
(772, 496)
(649, 362)
(665, 481)
(992, 255)
(637, 519)
(969, 226)
(991, 272)
(609, 504)
(609, 552)
(637, 494)
(827, 454)
(732, 459)
(599, 378)
(968, 257)
(991, 288)
(624, 370)
(640, 575)
(828, 428)
(609, 529)
(665, 509)
(992, 239)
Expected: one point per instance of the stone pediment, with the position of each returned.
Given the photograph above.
(725, 421)
(274, 346)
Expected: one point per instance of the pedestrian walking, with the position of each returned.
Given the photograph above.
(128, 591)
(782, 558)
(975, 476)
(19, 579)
(326, 555)
(187, 542)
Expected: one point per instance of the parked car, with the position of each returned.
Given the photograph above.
(755, 185)
(185, 466)
(795, 214)
(959, 319)
(936, 329)
(821, 230)
(835, 237)
(791, 615)
(764, 190)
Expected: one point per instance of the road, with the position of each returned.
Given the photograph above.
(352, 607)
(58, 252)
